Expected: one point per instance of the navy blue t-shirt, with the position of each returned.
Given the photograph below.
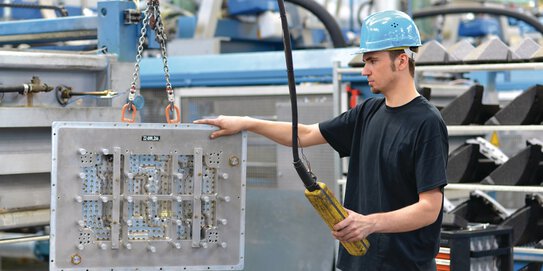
(395, 153)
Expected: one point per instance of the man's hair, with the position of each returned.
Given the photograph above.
(395, 53)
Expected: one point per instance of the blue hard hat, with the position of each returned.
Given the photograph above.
(388, 30)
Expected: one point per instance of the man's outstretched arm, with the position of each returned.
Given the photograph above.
(280, 132)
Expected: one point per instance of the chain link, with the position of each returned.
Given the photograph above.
(141, 40)
(161, 36)
(152, 10)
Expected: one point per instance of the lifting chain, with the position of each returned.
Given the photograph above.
(153, 19)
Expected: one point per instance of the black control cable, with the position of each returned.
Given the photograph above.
(307, 177)
(329, 22)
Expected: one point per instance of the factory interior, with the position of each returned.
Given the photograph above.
(102, 167)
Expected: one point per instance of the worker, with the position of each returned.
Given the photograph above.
(397, 146)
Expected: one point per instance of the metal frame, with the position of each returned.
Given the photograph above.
(46, 30)
(109, 27)
(114, 33)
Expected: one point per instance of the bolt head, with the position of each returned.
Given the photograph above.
(75, 259)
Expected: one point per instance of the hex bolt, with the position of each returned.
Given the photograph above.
(130, 175)
(151, 248)
(205, 198)
(178, 199)
(226, 198)
(203, 244)
(233, 160)
(179, 222)
(103, 246)
(76, 259)
(81, 223)
(103, 198)
(179, 176)
(224, 175)
(154, 198)
(129, 199)
(223, 221)
(224, 245)
(129, 222)
(80, 247)
(105, 151)
(79, 199)
(128, 246)
(82, 151)
(82, 175)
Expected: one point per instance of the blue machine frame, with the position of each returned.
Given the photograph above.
(108, 27)
(113, 32)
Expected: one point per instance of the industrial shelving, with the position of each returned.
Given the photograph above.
(498, 188)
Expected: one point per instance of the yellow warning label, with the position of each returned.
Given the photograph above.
(494, 140)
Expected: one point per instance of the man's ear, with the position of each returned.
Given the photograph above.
(403, 62)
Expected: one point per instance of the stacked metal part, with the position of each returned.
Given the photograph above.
(473, 161)
(492, 51)
(473, 244)
(493, 230)
(480, 208)
(479, 161)
(468, 108)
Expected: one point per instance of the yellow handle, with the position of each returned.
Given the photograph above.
(332, 212)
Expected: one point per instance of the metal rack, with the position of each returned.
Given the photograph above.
(520, 253)
(500, 188)
(465, 67)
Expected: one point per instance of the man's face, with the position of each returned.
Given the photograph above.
(379, 69)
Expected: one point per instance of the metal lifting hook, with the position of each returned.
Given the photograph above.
(154, 20)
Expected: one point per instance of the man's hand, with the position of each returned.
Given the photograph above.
(228, 125)
(353, 228)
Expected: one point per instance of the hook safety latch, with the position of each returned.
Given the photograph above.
(169, 109)
(126, 107)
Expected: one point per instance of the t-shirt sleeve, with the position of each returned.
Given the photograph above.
(431, 155)
(338, 131)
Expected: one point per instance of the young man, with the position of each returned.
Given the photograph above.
(398, 148)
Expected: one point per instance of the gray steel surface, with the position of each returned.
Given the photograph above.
(25, 120)
(38, 217)
(146, 197)
(24, 192)
(283, 230)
